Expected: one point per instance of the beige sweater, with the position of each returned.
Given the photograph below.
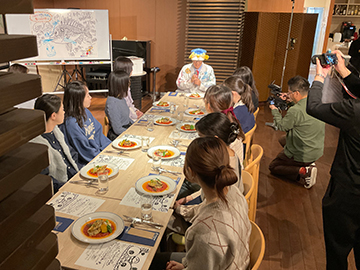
(219, 235)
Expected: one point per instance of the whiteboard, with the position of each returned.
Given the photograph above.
(65, 34)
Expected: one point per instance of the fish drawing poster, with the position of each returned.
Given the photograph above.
(64, 34)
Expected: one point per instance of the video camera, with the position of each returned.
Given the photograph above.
(326, 59)
(275, 99)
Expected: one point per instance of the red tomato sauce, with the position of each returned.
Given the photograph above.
(87, 225)
(146, 187)
(169, 154)
(128, 146)
(90, 173)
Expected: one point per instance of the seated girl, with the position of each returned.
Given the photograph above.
(220, 220)
(219, 98)
(246, 75)
(125, 64)
(243, 105)
(62, 158)
(82, 131)
(116, 108)
(218, 125)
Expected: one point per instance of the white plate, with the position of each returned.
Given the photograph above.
(156, 104)
(164, 147)
(84, 170)
(116, 142)
(178, 126)
(170, 182)
(195, 115)
(76, 227)
(160, 124)
(201, 95)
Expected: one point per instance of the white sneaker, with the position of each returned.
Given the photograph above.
(310, 176)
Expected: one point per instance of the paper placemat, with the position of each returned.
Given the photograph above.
(177, 162)
(185, 135)
(113, 255)
(121, 162)
(160, 203)
(173, 94)
(75, 204)
(138, 137)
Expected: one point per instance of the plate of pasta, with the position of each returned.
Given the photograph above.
(161, 104)
(126, 143)
(156, 185)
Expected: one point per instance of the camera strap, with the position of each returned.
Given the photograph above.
(345, 87)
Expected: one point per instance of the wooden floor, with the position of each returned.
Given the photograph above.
(288, 214)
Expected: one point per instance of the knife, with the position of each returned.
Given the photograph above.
(139, 220)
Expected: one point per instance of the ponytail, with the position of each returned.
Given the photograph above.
(247, 99)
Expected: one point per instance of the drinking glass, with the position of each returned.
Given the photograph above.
(145, 144)
(172, 108)
(156, 160)
(150, 123)
(176, 135)
(103, 182)
(186, 101)
(180, 116)
(146, 202)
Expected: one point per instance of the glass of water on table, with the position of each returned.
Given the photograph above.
(146, 202)
(103, 181)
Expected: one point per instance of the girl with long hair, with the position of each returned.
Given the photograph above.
(224, 213)
(122, 63)
(63, 159)
(246, 75)
(219, 98)
(82, 131)
(116, 108)
(243, 105)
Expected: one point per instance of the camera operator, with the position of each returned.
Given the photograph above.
(341, 202)
(304, 141)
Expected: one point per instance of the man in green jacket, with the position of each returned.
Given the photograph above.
(304, 141)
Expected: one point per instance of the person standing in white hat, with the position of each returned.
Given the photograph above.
(196, 76)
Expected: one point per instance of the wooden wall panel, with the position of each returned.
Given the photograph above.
(274, 5)
(166, 47)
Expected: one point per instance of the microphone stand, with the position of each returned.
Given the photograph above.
(273, 125)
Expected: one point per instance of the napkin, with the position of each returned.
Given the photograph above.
(62, 223)
(138, 236)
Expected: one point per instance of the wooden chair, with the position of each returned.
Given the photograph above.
(106, 125)
(256, 246)
(248, 142)
(248, 186)
(253, 168)
(256, 113)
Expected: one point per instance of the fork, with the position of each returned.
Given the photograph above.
(120, 152)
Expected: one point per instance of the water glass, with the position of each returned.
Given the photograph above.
(150, 123)
(146, 202)
(172, 108)
(176, 134)
(180, 116)
(103, 182)
(156, 160)
(186, 101)
(145, 144)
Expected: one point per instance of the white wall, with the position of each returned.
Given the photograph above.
(326, 5)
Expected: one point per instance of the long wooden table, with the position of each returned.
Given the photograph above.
(70, 248)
